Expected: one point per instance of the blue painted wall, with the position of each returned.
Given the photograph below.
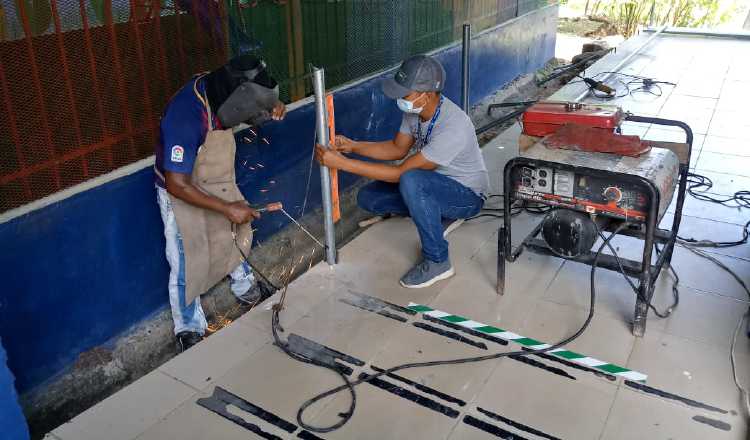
(77, 273)
(12, 423)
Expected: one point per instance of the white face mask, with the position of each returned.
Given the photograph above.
(407, 106)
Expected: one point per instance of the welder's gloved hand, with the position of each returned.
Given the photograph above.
(243, 91)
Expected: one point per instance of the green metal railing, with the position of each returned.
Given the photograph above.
(354, 38)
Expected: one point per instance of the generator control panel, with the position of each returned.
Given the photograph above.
(576, 190)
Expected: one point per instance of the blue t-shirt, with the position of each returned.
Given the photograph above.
(182, 131)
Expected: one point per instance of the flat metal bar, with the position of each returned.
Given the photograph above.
(660, 235)
(321, 126)
(606, 261)
(738, 35)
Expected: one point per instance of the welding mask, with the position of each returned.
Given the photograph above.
(242, 91)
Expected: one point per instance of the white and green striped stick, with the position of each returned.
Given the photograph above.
(530, 343)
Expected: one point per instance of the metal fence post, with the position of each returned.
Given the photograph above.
(465, 68)
(325, 177)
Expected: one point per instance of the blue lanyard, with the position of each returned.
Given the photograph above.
(426, 139)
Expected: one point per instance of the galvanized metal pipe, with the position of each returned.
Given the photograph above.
(321, 127)
(736, 35)
(465, 68)
(621, 64)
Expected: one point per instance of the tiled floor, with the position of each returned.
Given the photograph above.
(686, 356)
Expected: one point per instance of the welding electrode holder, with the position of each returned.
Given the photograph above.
(271, 207)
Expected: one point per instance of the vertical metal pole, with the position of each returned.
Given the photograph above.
(321, 127)
(465, 68)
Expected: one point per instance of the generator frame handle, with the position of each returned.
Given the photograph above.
(643, 270)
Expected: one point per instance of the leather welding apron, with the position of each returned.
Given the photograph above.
(207, 242)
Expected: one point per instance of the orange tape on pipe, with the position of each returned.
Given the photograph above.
(334, 172)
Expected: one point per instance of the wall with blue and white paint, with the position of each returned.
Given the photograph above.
(82, 267)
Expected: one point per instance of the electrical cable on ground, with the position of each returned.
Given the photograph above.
(346, 416)
(630, 85)
(744, 394)
(636, 290)
(698, 187)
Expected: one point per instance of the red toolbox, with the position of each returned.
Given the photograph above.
(546, 117)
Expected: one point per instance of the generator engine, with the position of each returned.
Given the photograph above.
(574, 159)
(583, 167)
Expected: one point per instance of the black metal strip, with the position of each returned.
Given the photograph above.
(367, 308)
(423, 388)
(718, 424)
(220, 408)
(567, 363)
(491, 429)
(534, 363)
(313, 350)
(384, 303)
(666, 395)
(481, 335)
(517, 425)
(225, 396)
(344, 368)
(411, 396)
(452, 335)
(306, 435)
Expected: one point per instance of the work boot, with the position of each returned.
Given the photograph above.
(187, 339)
(427, 273)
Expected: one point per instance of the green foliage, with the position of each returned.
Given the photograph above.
(627, 15)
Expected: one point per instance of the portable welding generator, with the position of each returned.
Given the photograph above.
(575, 161)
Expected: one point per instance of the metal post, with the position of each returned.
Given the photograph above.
(465, 68)
(321, 127)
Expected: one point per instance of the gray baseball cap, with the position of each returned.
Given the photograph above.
(420, 73)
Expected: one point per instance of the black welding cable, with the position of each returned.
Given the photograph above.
(350, 385)
(719, 244)
(263, 277)
(699, 185)
(636, 290)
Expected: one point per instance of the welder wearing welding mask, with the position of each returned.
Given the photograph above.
(201, 206)
(441, 178)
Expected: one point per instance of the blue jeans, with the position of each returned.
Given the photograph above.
(428, 197)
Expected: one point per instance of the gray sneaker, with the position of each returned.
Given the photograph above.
(427, 273)
(450, 225)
